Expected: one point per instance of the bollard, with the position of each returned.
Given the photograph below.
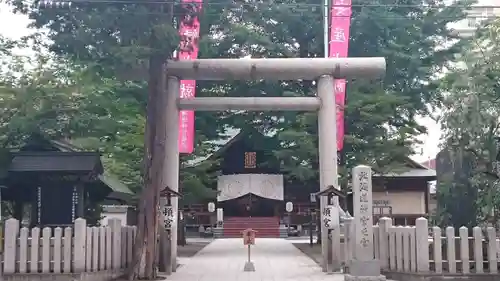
(249, 240)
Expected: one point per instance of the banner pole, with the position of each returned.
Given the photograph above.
(249, 253)
(325, 27)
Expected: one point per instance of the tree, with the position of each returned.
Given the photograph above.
(110, 48)
(468, 186)
(380, 123)
(407, 35)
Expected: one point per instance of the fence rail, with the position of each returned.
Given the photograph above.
(67, 250)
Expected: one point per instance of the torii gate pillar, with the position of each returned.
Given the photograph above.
(327, 152)
(324, 70)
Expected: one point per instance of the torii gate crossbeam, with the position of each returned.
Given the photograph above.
(251, 104)
(325, 70)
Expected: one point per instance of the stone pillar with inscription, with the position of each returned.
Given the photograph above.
(364, 266)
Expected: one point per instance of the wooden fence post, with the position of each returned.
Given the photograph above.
(384, 224)
(10, 248)
(116, 230)
(492, 250)
(80, 244)
(437, 251)
(422, 244)
(478, 249)
(464, 249)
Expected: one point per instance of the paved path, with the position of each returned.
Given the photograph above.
(274, 259)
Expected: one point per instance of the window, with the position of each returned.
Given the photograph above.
(471, 22)
(250, 160)
(400, 221)
(488, 12)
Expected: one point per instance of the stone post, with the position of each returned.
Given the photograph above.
(219, 228)
(364, 266)
(172, 158)
(335, 243)
(348, 249)
(327, 151)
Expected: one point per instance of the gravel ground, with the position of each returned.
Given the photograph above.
(313, 252)
(193, 246)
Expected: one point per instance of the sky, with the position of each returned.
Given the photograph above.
(15, 26)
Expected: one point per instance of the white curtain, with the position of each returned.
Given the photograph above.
(263, 185)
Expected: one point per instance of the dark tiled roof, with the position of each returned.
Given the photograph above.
(56, 161)
(115, 185)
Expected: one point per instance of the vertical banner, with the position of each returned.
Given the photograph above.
(189, 31)
(340, 22)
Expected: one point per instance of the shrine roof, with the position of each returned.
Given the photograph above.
(410, 169)
(224, 144)
(43, 155)
(330, 190)
(55, 161)
(168, 191)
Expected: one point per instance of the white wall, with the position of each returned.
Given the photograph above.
(106, 216)
(408, 202)
(114, 212)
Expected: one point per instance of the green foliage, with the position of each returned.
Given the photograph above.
(380, 123)
(116, 38)
(471, 125)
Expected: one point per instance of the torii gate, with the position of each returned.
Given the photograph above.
(323, 69)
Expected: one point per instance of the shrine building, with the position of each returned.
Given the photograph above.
(50, 183)
(252, 189)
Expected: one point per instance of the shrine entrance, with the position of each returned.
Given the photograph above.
(251, 205)
(323, 71)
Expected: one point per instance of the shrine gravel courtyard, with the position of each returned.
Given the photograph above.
(275, 260)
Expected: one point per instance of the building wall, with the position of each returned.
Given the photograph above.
(404, 202)
(432, 205)
(478, 13)
(114, 212)
(121, 216)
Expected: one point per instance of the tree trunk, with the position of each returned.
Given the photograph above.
(145, 247)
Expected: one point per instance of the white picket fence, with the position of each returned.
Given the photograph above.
(67, 250)
(420, 249)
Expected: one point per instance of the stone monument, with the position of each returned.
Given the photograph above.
(364, 266)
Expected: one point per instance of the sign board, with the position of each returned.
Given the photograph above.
(168, 217)
(289, 206)
(330, 217)
(334, 200)
(381, 202)
(312, 197)
(249, 236)
(220, 217)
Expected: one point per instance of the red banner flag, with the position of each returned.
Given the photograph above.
(189, 31)
(339, 45)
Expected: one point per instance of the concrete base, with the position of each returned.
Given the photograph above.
(364, 268)
(349, 277)
(283, 231)
(218, 232)
(102, 275)
(414, 276)
(249, 266)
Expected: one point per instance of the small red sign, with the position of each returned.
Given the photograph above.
(249, 236)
